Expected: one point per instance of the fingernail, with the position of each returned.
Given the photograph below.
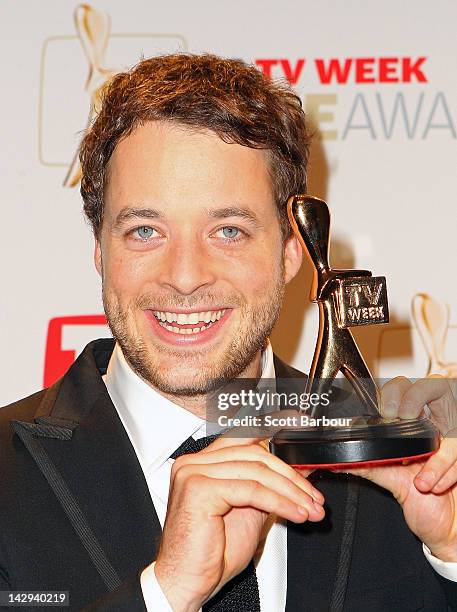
(318, 508)
(390, 409)
(302, 510)
(439, 487)
(408, 411)
(428, 478)
(317, 497)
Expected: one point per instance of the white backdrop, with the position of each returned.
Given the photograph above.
(385, 160)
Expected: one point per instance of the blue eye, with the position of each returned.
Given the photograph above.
(145, 232)
(230, 232)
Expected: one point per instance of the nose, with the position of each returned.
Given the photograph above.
(187, 267)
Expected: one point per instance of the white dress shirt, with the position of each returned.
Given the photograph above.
(156, 428)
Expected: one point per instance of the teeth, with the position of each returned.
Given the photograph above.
(185, 330)
(191, 318)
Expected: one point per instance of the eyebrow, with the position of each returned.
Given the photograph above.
(127, 213)
(235, 211)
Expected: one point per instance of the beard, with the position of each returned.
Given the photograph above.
(200, 371)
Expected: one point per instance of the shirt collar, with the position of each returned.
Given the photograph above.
(155, 425)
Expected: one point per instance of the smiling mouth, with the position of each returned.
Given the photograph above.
(188, 323)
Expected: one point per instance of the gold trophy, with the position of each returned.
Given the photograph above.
(432, 321)
(93, 27)
(346, 298)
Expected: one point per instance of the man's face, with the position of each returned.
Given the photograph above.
(191, 256)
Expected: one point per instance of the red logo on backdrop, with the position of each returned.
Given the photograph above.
(57, 359)
(388, 112)
(350, 69)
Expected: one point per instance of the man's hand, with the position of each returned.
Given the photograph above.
(219, 501)
(426, 490)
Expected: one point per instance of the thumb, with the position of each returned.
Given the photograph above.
(390, 477)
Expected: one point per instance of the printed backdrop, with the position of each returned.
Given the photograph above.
(379, 81)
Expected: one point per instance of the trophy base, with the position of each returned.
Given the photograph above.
(368, 441)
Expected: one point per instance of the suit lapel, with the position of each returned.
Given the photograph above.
(84, 444)
(80, 432)
(286, 375)
(78, 429)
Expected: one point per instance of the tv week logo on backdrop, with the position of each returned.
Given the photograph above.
(377, 97)
(66, 338)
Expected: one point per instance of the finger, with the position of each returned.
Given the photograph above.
(447, 481)
(391, 395)
(441, 465)
(232, 493)
(254, 452)
(444, 409)
(394, 479)
(434, 391)
(253, 471)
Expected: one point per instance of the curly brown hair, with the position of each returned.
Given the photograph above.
(226, 96)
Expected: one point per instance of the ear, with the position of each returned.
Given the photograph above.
(98, 257)
(293, 257)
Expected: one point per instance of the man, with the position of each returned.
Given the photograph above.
(108, 490)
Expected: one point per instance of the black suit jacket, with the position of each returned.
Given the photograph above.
(76, 514)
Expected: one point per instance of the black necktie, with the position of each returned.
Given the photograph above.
(241, 594)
